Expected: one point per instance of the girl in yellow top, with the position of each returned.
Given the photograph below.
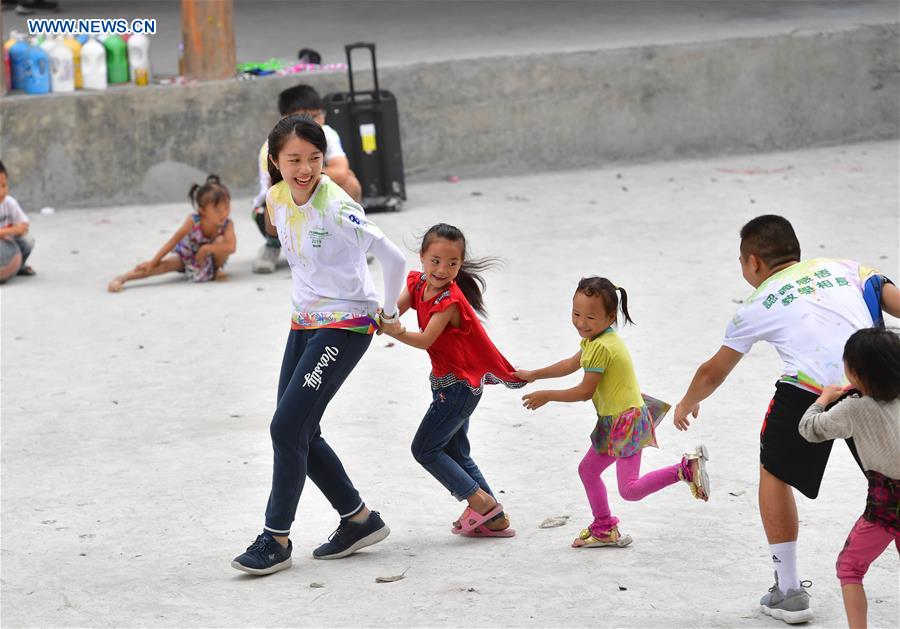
(625, 418)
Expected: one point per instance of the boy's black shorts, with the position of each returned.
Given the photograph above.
(783, 451)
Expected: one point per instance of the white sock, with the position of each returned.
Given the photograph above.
(784, 557)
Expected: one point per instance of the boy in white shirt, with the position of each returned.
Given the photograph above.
(807, 311)
(15, 243)
(300, 99)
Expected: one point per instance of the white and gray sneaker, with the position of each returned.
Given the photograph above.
(266, 259)
(791, 607)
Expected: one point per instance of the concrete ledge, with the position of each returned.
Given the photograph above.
(500, 115)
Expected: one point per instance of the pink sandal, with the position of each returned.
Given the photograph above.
(471, 519)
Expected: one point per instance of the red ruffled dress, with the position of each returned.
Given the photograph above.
(463, 354)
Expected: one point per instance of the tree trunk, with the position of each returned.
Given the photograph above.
(208, 35)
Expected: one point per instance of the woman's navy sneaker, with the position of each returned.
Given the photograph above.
(350, 536)
(264, 556)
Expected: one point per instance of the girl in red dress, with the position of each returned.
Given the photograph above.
(446, 296)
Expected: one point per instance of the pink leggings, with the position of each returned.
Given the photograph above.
(865, 542)
(632, 486)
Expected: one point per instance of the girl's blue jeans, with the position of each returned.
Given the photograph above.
(441, 444)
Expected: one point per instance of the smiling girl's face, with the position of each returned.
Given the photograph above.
(300, 164)
(589, 315)
(441, 262)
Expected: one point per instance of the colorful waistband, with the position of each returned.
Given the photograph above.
(802, 382)
(362, 324)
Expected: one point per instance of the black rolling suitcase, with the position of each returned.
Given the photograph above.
(369, 127)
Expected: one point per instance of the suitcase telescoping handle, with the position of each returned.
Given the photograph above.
(371, 48)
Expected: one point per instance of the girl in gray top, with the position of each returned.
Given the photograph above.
(872, 365)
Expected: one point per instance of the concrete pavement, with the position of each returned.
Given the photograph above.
(136, 458)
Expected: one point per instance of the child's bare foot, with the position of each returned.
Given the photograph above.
(221, 276)
(116, 285)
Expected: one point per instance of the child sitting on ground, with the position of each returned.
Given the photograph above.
(201, 245)
(15, 243)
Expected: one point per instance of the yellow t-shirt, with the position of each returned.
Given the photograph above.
(618, 389)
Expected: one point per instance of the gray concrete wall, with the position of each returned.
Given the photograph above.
(499, 115)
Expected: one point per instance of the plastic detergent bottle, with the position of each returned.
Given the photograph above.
(62, 68)
(14, 37)
(17, 52)
(48, 44)
(93, 65)
(116, 59)
(6, 46)
(82, 39)
(72, 44)
(139, 58)
(36, 75)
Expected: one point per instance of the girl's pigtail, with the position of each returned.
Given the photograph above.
(624, 303)
(192, 194)
(472, 284)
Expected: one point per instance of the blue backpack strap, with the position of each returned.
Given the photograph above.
(872, 296)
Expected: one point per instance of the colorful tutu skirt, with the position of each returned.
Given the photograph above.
(630, 431)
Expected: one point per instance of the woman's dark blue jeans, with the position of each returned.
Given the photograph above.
(315, 365)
